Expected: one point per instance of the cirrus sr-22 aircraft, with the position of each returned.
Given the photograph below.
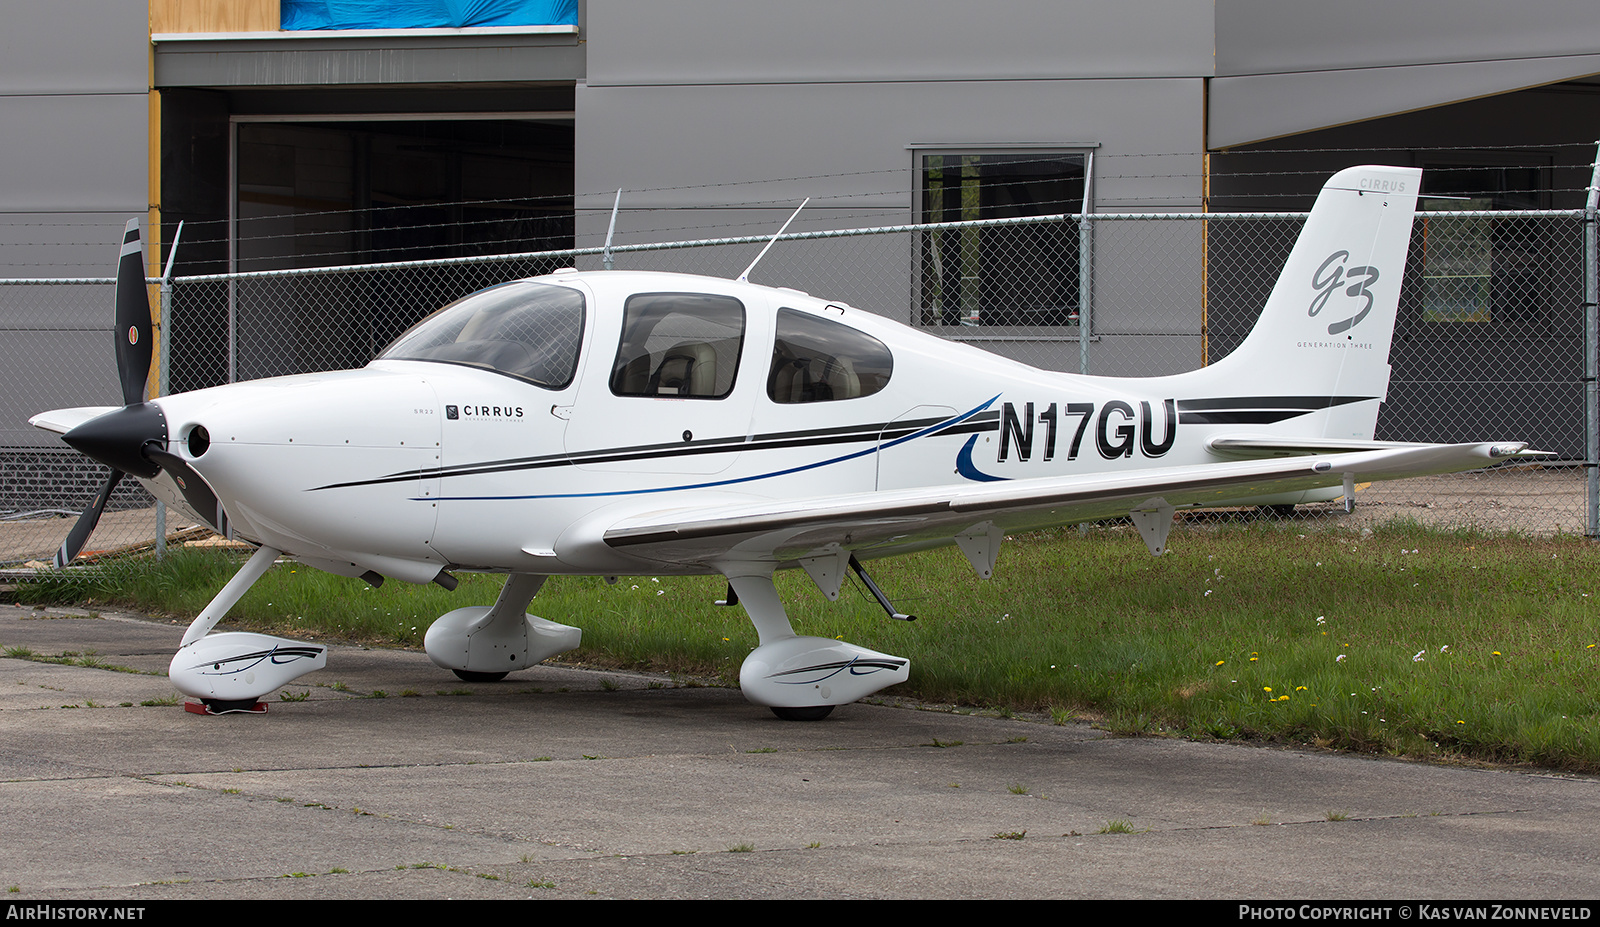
(616, 423)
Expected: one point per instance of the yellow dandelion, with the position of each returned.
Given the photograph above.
(1220, 662)
(1266, 688)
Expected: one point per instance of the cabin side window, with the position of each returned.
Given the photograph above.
(684, 345)
(820, 360)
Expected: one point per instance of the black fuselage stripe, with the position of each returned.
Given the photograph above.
(1304, 403)
(1240, 417)
(774, 441)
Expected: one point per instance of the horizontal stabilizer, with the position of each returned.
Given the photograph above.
(61, 421)
(1252, 447)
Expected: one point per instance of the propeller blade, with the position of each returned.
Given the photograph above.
(133, 333)
(195, 490)
(91, 516)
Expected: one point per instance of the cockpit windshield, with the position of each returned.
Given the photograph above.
(531, 331)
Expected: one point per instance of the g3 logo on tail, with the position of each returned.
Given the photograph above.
(1332, 275)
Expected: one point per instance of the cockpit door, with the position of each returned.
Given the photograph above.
(671, 386)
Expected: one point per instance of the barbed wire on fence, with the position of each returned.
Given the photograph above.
(1490, 343)
(1120, 180)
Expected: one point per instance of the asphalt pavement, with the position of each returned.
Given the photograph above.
(384, 777)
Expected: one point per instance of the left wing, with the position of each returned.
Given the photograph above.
(882, 523)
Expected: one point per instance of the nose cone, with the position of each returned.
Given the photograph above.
(117, 438)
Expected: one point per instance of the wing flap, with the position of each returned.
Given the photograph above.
(785, 530)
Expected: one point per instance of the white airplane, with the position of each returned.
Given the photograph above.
(616, 423)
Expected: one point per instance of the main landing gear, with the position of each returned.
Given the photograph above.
(484, 643)
(802, 678)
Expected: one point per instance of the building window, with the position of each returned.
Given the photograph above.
(1477, 268)
(1022, 275)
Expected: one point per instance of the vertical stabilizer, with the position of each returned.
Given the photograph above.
(1327, 327)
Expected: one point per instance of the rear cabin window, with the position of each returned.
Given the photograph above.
(531, 331)
(820, 360)
(679, 344)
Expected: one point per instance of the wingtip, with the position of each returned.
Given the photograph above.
(1507, 449)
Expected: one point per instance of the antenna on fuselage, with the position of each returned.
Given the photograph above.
(172, 255)
(606, 259)
(745, 277)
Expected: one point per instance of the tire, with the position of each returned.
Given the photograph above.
(811, 713)
(470, 676)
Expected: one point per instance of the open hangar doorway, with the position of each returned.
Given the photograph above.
(1490, 333)
(332, 189)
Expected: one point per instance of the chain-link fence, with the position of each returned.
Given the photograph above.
(1490, 343)
(56, 352)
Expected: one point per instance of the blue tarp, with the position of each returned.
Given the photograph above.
(300, 15)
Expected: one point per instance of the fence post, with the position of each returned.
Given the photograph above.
(1086, 267)
(161, 387)
(1591, 344)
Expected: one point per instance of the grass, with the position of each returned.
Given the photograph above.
(69, 658)
(1405, 642)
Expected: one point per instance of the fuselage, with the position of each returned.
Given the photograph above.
(498, 438)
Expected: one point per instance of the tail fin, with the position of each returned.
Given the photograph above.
(1326, 328)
